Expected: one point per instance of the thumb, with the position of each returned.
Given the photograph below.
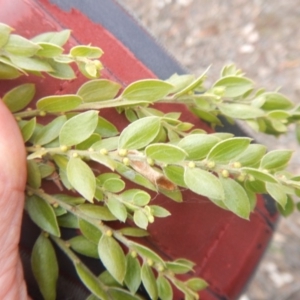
(12, 185)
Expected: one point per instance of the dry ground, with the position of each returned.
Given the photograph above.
(262, 38)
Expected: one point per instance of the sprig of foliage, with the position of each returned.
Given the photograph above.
(157, 151)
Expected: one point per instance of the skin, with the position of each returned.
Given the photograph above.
(12, 186)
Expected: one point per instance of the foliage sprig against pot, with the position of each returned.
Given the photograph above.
(156, 151)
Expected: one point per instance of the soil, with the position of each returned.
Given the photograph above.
(262, 38)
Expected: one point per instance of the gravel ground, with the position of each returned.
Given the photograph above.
(262, 38)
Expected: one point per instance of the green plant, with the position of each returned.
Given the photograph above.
(156, 151)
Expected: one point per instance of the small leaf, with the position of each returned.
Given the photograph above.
(91, 232)
(91, 281)
(240, 111)
(135, 232)
(206, 116)
(87, 144)
(234, 86)
(68, 221)
(69, 199)
(112, 257)
(8, 71)
(180, 82)
(260, 175)
(86, 51)
(196, 284)
(203, 183)
(117, 208)
(81, 178)
(30, 64)
(5, 31)
(289, 207)
(109, 144)
(97, 212)
(59, 103)
(49, 50)
(42, 214)
(45, 267)
(277, 193)
(149, 281)
(27, 129)
(83, 246)
(178, 267)
(197, 146)
(175, 174)
(61, 71)
(106, 128)
(236, 198)
(78, 128)
(140, 198)
(19, 97)
(148, 90)
(103, 160)
(121, 294)
(50, 132)
(98, 90)
(275, 101)
(158, 211)
(165, 153)
(56, 38)
(20, 46)
(252, 155)
(165, 291)
(228, 149)
(140, 133)
(133, 273)
(34, 177)
(140, 219)
(276, 159)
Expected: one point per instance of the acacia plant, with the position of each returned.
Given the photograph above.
(156, 151)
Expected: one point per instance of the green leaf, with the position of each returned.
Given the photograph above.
(260, 175)
(20, 46)
(158, 211)
(109, 144)
(228, 149)
(46, 169)
(206, 116)
(174, 195)
(240, 111)
(252, 155)
(140, 133)
(68, 221)
(165, 291)
(196, 284)
(133, 273)
(149, 281)
(135, 232)
(277, 193)
(175, 174)
(87, 144)
(275, 101)
(81, 178)
(27, 129)
(19, 97)
(45, 267)
(57, 38)
(50, 132)
(8, 71)
(140, 219)
(236, 198)
(149, 90)
(83, 246)
(276, 159)
(121, 294)
(117, 208)
(78, 128)
(49, 50)
(179, 268)
(59, 103)
(5, 31)
(103, 160)
(61, 71)
(114, 185)
(198, 146)
(165, 153)
(289, 207)
(234, 86)
(97, 212)
(91, 281)
(140, 198)
(91, 232)
(42, 214)
(112, 257)
(86, 51)
(109, 280)
(180, 82)
(30, 64)
(203, 183)
(98, 90)
(106, 128)
(34, 177)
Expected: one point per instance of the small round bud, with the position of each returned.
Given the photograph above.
(211, 164)
(150, 219)
(251, 178)
(123, 152)
(126, 161)
(150, 161)
(241, 177)
(98, 64)
(75, 154)
(18, 119)
(225, 173)
(237, 165)
(150, 262)
(265, 171)
(219, 91)
(63, 148)
(160, 268)
(133, 254)
(45, 234)
(55, 205)
(109, 233)
(191, 164)
(103, 151)
(91, 149)
(42, 113)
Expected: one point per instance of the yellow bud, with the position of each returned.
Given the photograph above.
(42, 113)
(150, 219)
(225, 173)
(126, 161)
(241, 177)
(55, 205)
(149, 262)
(75, 154)
(150, 161)
(109, 233)
(63, 148)
(123, 152)
(160, 268)
(91, 149)
(133, 254)
(211, 164)
(103, 151)
(237, 165)
(191, 164)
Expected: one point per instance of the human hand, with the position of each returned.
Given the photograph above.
(12, 185)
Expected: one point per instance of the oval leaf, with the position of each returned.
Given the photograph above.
(78, 128)
(20, 46)
(149, 281)
(112, 257)
(45, 267)
(86, 51)
(203, 183)
(240, 111)
(133, 273)
(252, 155)
(81, 178)
(117, 208)
(277, 193)
(83, 246)
(165, 291)
(97, 212)
(276, 159)
(140, 133)
(91, 232)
